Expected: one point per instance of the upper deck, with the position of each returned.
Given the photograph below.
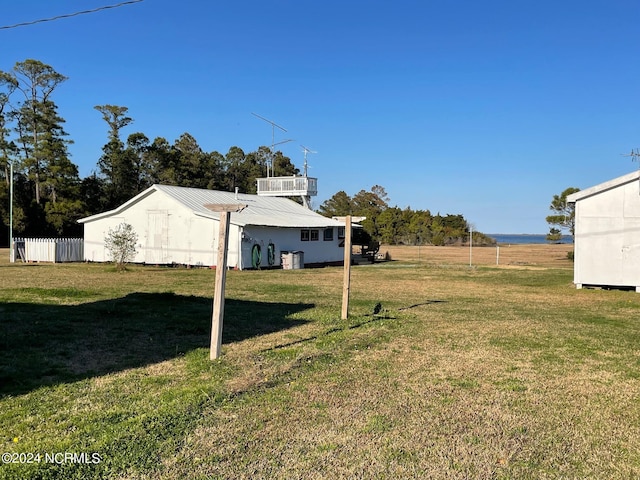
(288, 186)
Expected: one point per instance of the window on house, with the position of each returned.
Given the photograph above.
(328, 234)
(340, 233)
(315, 235)
(304, 235)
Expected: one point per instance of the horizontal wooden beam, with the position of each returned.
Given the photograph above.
(353, 219)
(225, 207)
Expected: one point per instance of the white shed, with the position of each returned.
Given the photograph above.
(607, 234)
(174, 227)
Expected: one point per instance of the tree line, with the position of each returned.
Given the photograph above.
(395, 226)
(50, 197)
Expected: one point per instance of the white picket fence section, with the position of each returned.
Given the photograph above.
(55, 250)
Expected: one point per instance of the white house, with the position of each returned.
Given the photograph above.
(607, 233)
(174, 226)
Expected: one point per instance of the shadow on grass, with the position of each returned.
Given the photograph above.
(373, 317)
(50, 344)
(331, 331)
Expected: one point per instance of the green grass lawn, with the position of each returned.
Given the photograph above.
(483, 372)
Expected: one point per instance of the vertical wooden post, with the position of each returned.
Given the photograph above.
(346, 284)
(218, 291)
(470, 246)
(221, 275)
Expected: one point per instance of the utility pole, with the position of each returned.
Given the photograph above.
(12, 255)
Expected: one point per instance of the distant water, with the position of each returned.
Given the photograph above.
(511, 238)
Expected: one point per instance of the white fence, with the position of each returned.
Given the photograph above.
(48, 250)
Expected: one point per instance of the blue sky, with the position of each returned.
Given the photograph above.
(486, 109)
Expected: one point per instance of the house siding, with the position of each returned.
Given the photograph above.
(288, 240)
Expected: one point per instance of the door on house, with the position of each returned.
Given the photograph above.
(157, 241)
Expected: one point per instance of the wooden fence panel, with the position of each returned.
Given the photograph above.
(48, 249)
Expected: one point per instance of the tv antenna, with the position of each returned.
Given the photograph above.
(306, 150)
(273, 137)
(635, 155)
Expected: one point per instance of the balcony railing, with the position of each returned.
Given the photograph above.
(287, 186)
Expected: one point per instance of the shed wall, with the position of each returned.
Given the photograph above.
(167, 233)
(607, 236)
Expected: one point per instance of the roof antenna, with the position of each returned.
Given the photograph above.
(273, 136)
(306, 150)
(635, 157)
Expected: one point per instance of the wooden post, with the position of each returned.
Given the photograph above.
(221, 275)
(470, 246)
(346, 285)
(218, 291)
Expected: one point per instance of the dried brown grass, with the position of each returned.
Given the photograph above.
(534, 255)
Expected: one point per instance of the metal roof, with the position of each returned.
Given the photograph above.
(260, 211)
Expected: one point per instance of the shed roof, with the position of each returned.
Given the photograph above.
(603, 187)
(260, 211)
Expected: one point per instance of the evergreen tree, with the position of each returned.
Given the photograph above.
(60, 176)
(7, 147)
(419, 228)
(190, 163)
(389, 224)
(282, 166)
(370, 205)
(92, 194)
(339, 205)
(554, 235)
(38, 125)
(159, 157)
(215, 173)
(141, 161)
(45, 180)
(116, 165)
(564, 215)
